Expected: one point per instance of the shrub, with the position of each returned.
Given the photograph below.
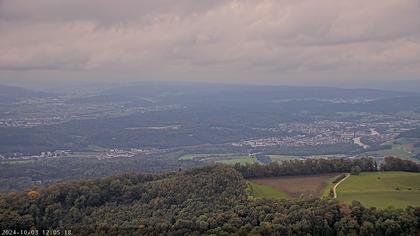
(355, 170)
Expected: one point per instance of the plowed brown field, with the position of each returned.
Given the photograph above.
(296, 186)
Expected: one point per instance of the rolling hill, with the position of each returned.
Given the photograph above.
(205, 201)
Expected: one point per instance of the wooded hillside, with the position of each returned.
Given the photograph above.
(210, 200)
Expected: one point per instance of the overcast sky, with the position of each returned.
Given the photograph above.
(258, 41)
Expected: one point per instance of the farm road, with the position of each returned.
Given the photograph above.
(336, 185)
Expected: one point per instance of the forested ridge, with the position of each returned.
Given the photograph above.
(209, 200)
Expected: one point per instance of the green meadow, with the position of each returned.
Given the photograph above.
(264, 191)
(382, 189)
(403, 148)
(280, 158)
(189, 157)
(396, 151)
(329, 186)
(241, 160)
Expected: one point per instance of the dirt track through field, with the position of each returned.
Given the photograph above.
(336, 185)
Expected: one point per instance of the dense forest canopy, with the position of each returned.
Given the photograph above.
(209, 200)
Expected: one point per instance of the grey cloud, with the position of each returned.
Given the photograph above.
(235, 38)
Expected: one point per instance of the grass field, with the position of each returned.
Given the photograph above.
(17, 162)
(296, 186)
(227, 158)
(189, 157)
(280, 158)
(402, 148)
(329, 185)
(241, 160)
(264, 191)
(396, 151)
(382, 189)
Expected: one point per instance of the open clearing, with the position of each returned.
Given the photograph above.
(241, 160)
(329, 186)
(396, 151)
(403, 148)
(281, 158)
(382, 189)
(295, 186)
(188, 157)
(268, 192)
(226, 158)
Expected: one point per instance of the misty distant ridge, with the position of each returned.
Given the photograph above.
(14, 94)
(209, 89)
(403, 85)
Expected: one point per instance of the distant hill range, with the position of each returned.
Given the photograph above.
(183, 92)
(403, 85)
(11, 94)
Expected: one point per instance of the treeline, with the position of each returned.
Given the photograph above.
(205, 201)
(339, 178)
(396, 164)
(320, 166)
(305, 167)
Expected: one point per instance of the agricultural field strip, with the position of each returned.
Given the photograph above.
(296, 186)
